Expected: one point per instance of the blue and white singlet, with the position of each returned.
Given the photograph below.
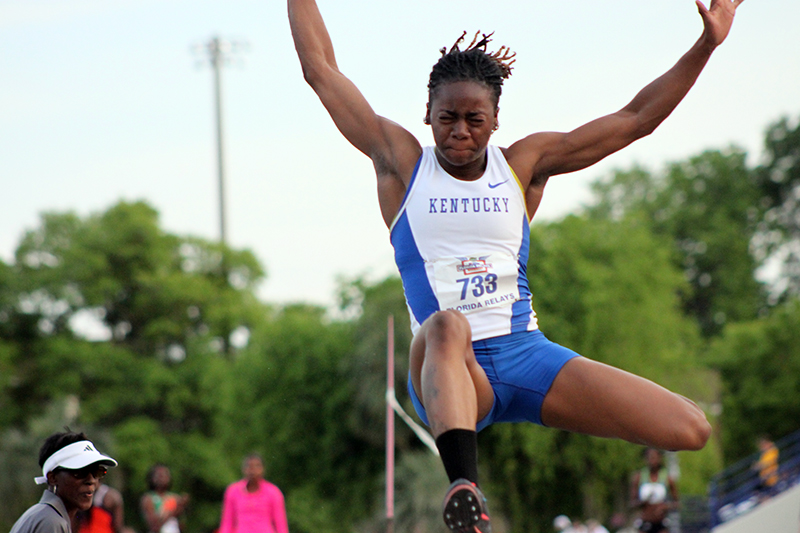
(464, 245)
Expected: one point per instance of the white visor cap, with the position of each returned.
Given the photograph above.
(73, 457)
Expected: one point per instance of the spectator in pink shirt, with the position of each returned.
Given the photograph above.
(253, 505)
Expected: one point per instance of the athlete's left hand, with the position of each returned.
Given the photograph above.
(717, 19)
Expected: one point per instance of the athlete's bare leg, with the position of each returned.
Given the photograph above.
(451, 384)
(597, 399)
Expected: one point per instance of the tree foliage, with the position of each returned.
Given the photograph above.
(760, 366)
(709, 206)
(154, 291)
(166, 306)
(779, 181)
(293, 379)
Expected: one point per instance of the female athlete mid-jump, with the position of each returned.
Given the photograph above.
(458, 214)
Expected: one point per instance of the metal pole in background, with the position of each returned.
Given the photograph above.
(215, 49)
(219, 51)
(390, 427)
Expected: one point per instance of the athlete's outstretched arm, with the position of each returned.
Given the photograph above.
(393, 150)
(545, 154)
(350, 111)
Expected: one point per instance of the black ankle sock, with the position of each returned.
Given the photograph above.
(459, 451)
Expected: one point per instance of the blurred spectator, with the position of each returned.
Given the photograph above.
(107, 514)
(252, 504)
(654, 492)
(161, 508)
(767, 467)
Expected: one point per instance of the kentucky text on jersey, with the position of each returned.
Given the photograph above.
(463, 245)
(468, 205)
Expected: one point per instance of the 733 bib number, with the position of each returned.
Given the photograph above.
(471, 283)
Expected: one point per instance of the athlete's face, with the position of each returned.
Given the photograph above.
(462, 115)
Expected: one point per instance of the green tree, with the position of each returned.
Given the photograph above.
(710, 207)
(779, 181)
(8, 348)
(152, 290)
(759, 362)
(19, 455)
(157, 385)
(295, 398)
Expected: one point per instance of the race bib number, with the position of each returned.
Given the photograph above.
(469, 284)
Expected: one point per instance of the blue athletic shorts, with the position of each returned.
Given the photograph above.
(521, 368)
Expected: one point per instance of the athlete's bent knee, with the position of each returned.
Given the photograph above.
(447, 326)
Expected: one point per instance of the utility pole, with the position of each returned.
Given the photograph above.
(219, 52)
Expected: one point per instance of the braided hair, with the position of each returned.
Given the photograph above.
(473, 63)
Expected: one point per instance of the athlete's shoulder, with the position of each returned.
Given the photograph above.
(527, 155)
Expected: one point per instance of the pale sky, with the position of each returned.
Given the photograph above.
(104, 100)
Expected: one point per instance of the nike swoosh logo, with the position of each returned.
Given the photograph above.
(496, 185)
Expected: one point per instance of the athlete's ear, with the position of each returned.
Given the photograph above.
(427, 119)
